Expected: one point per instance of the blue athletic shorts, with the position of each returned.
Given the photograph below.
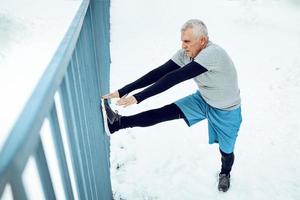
(223, 125)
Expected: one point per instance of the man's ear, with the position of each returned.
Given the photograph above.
(203, 40)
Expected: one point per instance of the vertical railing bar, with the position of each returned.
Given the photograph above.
(80, 115)
(102, 75)
(82, 69)
(106, 8)
(74, 83)
(85, 95)
(93, 69)
(99, 85)
(17, 187)
(59, 148)
(43, 170)
(94, 51)
(106, 60)
(71, 130)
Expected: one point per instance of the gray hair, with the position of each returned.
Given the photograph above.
(198, 27)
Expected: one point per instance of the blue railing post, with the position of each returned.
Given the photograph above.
(69, 117)
(43, 171)
(17, 186)
(62, 161)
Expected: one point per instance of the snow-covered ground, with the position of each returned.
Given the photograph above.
(172, 161)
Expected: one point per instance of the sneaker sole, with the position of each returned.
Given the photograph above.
(105, 119)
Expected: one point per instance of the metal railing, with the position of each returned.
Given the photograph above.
(79, 72)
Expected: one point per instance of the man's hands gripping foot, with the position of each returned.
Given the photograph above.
(123, 101)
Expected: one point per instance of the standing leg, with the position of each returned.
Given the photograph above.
(223, 128)
(227, 162)
(224, 176)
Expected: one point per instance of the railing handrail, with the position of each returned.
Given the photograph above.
(24, 136)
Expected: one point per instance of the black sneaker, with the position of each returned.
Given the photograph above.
(109, 117)
(224, 182)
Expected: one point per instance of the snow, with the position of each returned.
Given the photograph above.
(30, 32)
(170, 160)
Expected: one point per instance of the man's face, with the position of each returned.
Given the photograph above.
(191, 44)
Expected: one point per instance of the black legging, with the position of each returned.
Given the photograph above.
(227, 162)
(152, 117)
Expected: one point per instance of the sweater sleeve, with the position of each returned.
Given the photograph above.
(150, 78)
(170, 79)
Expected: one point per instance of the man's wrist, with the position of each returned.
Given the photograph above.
(122, 92)
(138, 98)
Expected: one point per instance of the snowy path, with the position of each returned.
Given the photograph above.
(172, 161)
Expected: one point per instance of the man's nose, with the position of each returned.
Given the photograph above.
(183, 45)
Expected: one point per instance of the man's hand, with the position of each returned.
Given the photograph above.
(111, 95)
(126, 101)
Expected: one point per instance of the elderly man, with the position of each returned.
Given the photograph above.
(217, 98)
